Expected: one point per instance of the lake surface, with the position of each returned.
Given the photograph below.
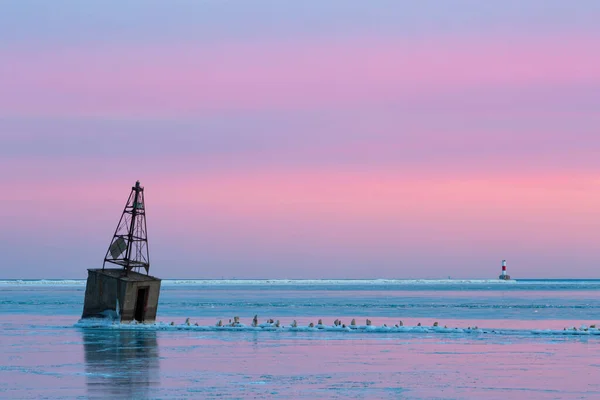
(501, 341)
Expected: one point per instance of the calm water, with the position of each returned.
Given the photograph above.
(520, 352)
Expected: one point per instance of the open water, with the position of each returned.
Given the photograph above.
(494, 340)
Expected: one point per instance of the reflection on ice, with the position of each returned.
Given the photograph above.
(121, 364)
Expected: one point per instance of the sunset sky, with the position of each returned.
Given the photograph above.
(305, 139)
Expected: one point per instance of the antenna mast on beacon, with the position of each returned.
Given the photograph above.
(129, 246)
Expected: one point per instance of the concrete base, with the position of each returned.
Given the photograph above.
(137, 295)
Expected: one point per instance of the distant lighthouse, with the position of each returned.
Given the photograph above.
(503, 275)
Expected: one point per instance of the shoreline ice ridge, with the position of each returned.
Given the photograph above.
(99, 323)
(300, 282)
(275, 282)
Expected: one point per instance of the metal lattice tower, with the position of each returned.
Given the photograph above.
(129, 245)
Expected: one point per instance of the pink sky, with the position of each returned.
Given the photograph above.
(186, 79)
(371, 150)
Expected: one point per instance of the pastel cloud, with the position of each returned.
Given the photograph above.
(322, 215)
(190, 79)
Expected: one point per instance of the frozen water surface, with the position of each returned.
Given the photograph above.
(519, 349)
